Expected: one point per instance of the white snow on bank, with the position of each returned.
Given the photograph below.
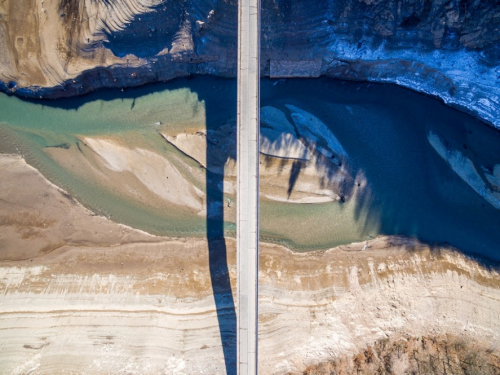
(473, 85)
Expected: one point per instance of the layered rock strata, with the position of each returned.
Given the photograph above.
(85, 295)
(447, 49)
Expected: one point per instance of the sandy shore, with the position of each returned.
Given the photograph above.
(85, 295)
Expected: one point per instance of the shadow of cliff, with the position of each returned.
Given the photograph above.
(148, 33)
(74, 103)
(419, 195)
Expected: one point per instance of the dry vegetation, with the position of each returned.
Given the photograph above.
(421, 355)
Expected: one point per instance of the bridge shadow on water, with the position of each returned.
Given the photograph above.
(215, 105)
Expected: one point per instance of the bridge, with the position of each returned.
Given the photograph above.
(247, 219)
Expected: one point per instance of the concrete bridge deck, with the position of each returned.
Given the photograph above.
(248, 184)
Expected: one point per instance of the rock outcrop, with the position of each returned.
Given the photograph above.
(444, 48)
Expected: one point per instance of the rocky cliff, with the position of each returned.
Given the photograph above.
(449, 49)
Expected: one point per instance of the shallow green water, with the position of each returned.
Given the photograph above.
(410, 189)
(31, 127)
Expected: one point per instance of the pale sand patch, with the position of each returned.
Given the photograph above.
(312, 128)
(151, 169)
(193, 145)
(304, 200)
(283, 145)
(494, 178)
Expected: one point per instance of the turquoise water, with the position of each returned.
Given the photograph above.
(410, 190)
(30, 128)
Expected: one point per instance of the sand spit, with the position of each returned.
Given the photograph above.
(154, 171)
(307, 165)
(114, 300)
(465, 168)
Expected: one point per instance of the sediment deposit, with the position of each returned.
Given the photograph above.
(450, 50)
(110, 299)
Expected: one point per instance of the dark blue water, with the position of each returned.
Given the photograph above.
(411, 190)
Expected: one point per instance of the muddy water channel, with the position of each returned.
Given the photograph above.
(351, 160)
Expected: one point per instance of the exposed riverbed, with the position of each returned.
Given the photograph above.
(404, 153)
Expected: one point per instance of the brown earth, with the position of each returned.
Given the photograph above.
(422, 355)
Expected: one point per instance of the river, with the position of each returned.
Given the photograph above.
(410, 187)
